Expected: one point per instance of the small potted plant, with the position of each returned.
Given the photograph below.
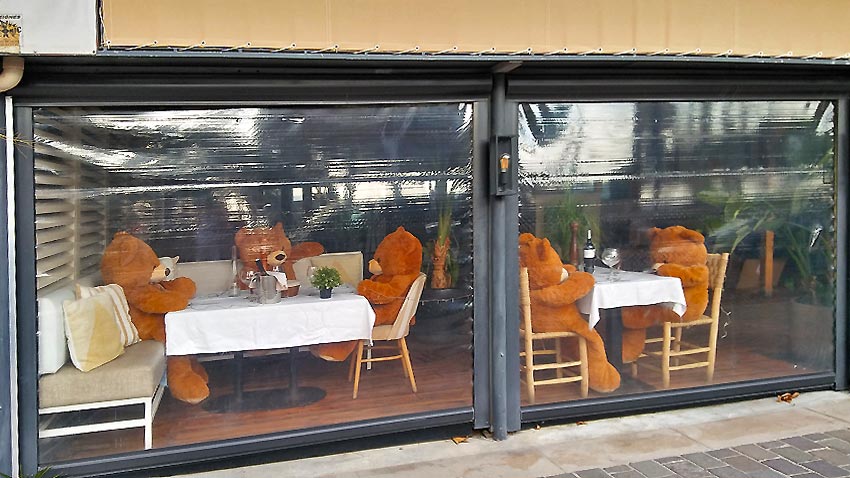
(325, 279)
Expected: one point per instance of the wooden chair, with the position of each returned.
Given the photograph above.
(677, 354)
(397, 332)
(529, 337)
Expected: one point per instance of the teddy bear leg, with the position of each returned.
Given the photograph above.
(335, 352)
(633, 343)
(183, 383)
(603, 377)
(199, 369)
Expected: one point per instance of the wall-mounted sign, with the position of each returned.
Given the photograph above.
(10, 33)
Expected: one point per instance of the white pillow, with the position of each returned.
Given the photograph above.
(129, 333)
(93, 334)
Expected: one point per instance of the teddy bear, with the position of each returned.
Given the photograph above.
(132, 264)
(677, 252)
(272, 248)
(394, 267)
(554, 289)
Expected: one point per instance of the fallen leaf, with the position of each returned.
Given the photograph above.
(787, 397)
(460, 439)
(581, 423)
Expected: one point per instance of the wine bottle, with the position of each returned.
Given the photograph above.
(261, 268)
(589, 254)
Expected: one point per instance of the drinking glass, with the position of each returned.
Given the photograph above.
(611, 257)
(248, 277)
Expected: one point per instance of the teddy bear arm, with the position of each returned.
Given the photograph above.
(383, 292)
(305, 249)
(567, 292)
(689, 275)
(155, 300)
(181, 285)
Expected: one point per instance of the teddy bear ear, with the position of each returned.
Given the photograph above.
(526, 237)
(691, 235)
(542, 247)
(652, 232)
(279, 227)
(124, 247)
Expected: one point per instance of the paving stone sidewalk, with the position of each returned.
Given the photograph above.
(817, 455)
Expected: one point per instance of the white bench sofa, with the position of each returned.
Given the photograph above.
(133, 379)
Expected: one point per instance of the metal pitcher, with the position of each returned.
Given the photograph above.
(266, 288)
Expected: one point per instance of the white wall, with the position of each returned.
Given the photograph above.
(55, 27)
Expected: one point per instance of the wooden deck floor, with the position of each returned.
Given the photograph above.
(752, 346)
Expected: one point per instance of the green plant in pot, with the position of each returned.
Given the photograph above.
(325, 279)
(559, 218)
(444, 273)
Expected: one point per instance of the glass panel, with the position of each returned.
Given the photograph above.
(752, 179)
(223, 189)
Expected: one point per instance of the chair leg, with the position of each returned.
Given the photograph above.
(148, 424)
(405, 355)
(585, 376)
(529, 370)
(634, 369)
(712, 351)
(358, 366)
(677, 344)
(351, 366)
(665, 355)
(559, 372)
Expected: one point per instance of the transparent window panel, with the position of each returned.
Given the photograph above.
(754, 178)
(186, 182)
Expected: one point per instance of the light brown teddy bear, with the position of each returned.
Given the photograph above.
(676, 252)
(395, 266)
(272, 247)
(132, 264)
(553, 307)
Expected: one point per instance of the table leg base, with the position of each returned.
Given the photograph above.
(259, 400)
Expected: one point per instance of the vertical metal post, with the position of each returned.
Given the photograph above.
(22, 250)
(481, 264)
(7, 373)
(842, 169)
(497, 283)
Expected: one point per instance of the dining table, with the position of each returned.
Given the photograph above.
(614, 290)
(221, 324)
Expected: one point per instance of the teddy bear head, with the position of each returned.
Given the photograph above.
(399, 253)
(677, 245)
(130, 262)
(268, 244)
(544, 265)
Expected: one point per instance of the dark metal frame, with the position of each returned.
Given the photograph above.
(536, 85)
(224, 88)
(145, 80)
(5, 325)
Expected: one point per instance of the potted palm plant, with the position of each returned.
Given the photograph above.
(325, 279)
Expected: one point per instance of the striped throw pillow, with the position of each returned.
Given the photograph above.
(129, 333)
(93, 334)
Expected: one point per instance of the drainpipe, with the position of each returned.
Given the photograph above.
(13, 71)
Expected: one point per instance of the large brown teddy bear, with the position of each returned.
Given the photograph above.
(395, 265)
(132, 264)
(553, 307)
(273, 248)
(676, 252)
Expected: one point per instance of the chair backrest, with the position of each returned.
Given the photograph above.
(525, 299)
(716, 276)
(401, 326)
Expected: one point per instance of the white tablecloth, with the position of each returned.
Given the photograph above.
(232, 324)
(632, 288)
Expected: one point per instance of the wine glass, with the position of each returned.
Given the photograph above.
(248, 277)
(611, 257)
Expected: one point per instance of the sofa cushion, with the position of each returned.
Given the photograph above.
(137, 373)
(121, 310)
(349, 265)
(210, 277)
(52, 344)
(94, 337)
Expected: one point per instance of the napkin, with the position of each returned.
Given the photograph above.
(281, 279)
